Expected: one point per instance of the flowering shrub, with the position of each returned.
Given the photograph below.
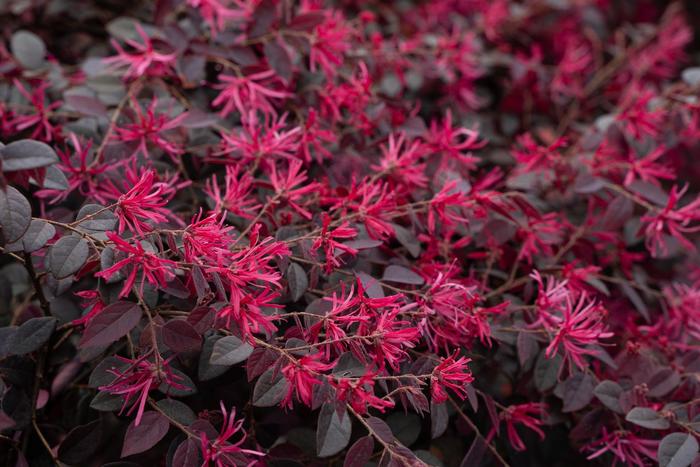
(276, 233)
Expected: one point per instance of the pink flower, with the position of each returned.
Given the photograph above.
(207, 239)
(217, 12)
(151, 129)
(302, 375)
(136, 379)
(236, 197)
(636, 117)
(155, 270)
(40, 117)
(580, 328)
(224, 452)
(143, 60)
(626, 447)
(528, 415)
(359, 393)
(254, 92)
(400, 160)
(328, 241)
(82, 170)
(145, 201)
(452, 373)
(287, 187)
(258, 141)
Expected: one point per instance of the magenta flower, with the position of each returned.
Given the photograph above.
(143, 59)
(222, 451)
(135, 381)
(451, 373)
(529, 415)
(155, 270)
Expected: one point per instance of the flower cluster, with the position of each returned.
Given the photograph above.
(431, 233)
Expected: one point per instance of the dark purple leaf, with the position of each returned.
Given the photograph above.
(177, 411)
(647, 418)
(153, 428)
(86, 105)
(297, 280)
(230, 350)
(609, 392)
(279, 60)
(677, 450)
(15, 215)
(270, 388)
(333, 430)
(360, 452)
(577, 391)
(27, 154)
(662, 382)
(67, 256)
(37, 235)
(81, 443)
(264, 17)
(32, 334)
(114, 322)
(187, 454)
(180, 336)
(402, 275)
(381, 429)
(439, 419)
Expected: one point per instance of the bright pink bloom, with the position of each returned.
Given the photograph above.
(672, 221)
(136, 379)
(287, 187)
(528, 415)
(579, 329)
(328, 241)
(151, 128)
(146, 201)
(40, 117)
(626, 447)
(155, 270)
(143, 60)
(236, 197)
(302, 376)
(452, 373)
(254, 92)
(359, 393)
(222, 451)
(260, 142)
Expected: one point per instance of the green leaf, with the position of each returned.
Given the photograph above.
(647, 418)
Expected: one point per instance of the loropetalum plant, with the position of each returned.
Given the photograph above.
(276, 233)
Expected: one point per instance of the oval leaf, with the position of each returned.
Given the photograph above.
(333, 430)
(677, 450)
(359, 453)
(145, 435)
(230, 350)
(28, 49)
(27, 154)
(180, 336)
(32, 334)
(270, 388)
(15, 214)
(608, 393)
(402, 275)
(67, 256)
(297, 280)
(647, 418)
(114, 322)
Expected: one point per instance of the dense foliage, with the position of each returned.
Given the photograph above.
(279, 233)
